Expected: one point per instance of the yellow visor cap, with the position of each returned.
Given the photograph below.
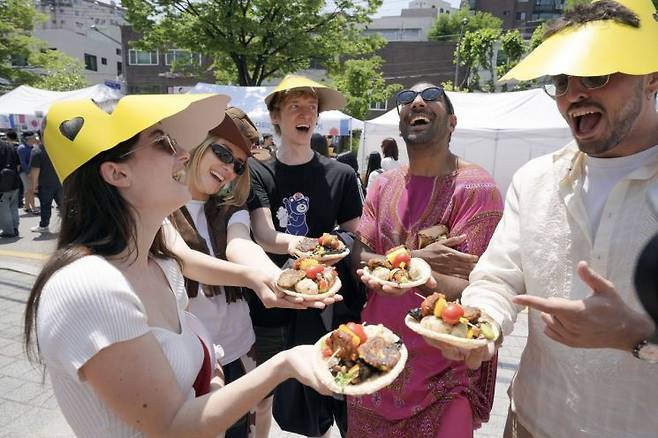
(78, 130)
(597, 48)
(328, 98)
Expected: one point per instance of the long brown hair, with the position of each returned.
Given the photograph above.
(96, 220)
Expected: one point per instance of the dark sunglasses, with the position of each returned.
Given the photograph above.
(226, 156)
(560, 83)
(430, 94)
(164, 142)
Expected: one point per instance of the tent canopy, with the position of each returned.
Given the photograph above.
(24, 107)
(251, 101)
(498, 131)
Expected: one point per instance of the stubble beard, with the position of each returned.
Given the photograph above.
(619, 129)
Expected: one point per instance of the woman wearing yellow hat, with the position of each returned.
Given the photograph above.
(108, 308)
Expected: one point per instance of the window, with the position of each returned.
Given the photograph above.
(182, 57)
(142, 57)
(378, 106)
(104, 61)
(119, 68)
(91, 62)
(118, 51)
(520, 16)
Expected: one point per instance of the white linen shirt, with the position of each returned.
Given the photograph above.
(560, 391)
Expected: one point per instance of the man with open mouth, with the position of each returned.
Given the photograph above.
(573, 225)
(298, 193)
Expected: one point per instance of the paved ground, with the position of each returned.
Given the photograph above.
(27, 404)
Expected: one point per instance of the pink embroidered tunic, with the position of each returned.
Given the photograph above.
(433, 396)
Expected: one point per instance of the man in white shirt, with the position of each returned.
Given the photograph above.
(573, 225)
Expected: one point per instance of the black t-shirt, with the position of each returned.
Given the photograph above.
(47, 175)
(305, 200)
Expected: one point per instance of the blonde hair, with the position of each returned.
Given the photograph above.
(237, 192)
(281, 97)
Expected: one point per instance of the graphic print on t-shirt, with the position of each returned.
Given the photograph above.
(293, 216)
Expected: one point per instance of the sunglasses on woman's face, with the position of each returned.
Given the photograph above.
(163, 141)
(226, 156)
(430, 94)
(560, 83)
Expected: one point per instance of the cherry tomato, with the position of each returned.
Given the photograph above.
(357, 329)
(451, 313)
(313, 271)
(401, 258)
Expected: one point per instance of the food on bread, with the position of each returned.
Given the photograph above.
(326, 246)
(360, 359)
(439, 316)
(398, 269)
(308, 277)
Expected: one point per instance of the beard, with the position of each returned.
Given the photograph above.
(434, 131)
(620, 126)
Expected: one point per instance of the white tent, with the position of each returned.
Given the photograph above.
(24, 107)
(498, 131)
(250, 100)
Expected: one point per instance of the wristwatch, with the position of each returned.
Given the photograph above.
(646, 351)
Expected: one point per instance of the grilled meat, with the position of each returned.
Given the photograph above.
(379, 354)
(427, 307)
(379, 261)
(472, 314)
(342, 340)
(289, 278)
(307, 244)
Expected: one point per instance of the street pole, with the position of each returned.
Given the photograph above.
(459, 41)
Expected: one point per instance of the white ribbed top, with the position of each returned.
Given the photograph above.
(89, 305)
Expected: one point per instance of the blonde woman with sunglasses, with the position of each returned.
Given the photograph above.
(108, 309)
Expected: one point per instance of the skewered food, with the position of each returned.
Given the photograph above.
(309, 279)
(325, 248)
(398, 269)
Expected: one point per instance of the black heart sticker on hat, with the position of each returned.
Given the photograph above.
(70, 128)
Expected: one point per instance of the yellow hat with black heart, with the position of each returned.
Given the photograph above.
(598, 47)
(78, 130)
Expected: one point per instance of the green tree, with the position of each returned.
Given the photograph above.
(35, 64)
(17, 19)
(60, 72)
(476, 52)
(512, 49)
(253, 40)
(448, 27)
(361, 82)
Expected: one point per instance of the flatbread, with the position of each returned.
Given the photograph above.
(414, 263)
(369, 386)
(466, 344)
(309, 297)
(325, 258)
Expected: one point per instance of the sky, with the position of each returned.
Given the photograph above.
(393, 7)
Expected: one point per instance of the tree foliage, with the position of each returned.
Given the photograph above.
(361, 82)
(60, 72)
(253, 40)
(448, 27)
(40, 66)
(476, 50)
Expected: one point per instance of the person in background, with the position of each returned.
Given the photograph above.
(25, 155)
(390, 152)
(374, 168)
(9, 190)
(319, 144)
(12, 139)
(108, 309)
(574, 223)
(268, 143)
(349, 158)
(45, 185)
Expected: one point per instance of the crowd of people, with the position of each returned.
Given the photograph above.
(159, 313)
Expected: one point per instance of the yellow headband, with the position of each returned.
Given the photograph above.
(78, 130)
(597, 48)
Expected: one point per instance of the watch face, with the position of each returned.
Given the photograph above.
(648, 352)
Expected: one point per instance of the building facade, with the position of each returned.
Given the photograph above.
(413, 23)
(524, 15)
(148, 72)
(86, 30)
